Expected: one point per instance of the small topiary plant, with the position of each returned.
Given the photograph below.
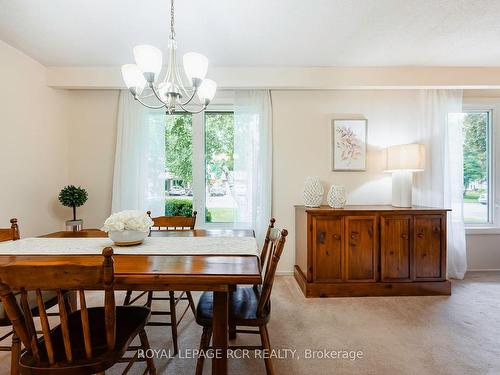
(72, 196)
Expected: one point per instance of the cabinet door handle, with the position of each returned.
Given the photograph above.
(420, 235)
(404, 236)
(354, 235)
(337, 237)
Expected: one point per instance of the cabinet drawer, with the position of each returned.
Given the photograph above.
(327, 248)
(395, 245)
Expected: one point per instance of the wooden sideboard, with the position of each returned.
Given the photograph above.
(371, 251)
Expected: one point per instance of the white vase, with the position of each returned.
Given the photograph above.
(127, 237)
(336, 196)
(313, 192)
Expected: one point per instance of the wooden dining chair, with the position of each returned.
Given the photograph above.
(249, 307)
(168, 223)
(50, 300)
(86, 341)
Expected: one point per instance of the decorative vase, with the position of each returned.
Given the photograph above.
(127, 237)
(313, 192)
(336, 196)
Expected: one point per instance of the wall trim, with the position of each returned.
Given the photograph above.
(483, 270)
(300, 78)
(284, 273)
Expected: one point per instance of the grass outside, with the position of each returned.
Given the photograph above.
(221, 214)
(472, 196)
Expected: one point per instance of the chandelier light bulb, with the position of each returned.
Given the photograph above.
(195, 65)
(133, 78)
(206, 91)
(148, 59)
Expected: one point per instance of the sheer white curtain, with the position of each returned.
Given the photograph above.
(253, 135)
(441, 183)
(139, 174)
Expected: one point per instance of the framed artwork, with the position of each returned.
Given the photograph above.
(349, 145)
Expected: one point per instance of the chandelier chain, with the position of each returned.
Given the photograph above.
(172, 30)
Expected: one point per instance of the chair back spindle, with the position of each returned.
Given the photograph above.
(29, 275)
(173, 223)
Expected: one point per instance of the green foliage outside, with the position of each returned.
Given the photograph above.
(72, 196)
(182, 207)
(219, 145)
(475, 130)
(179, 147)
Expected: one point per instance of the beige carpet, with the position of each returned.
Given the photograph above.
(397, 335)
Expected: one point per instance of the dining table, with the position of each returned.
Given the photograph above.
(168, 269)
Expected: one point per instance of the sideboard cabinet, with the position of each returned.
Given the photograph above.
(371, 251)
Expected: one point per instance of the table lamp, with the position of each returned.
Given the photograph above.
(402, 161)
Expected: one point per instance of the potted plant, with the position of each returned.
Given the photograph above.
(72, 196)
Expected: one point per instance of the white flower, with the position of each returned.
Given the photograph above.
(128, 220)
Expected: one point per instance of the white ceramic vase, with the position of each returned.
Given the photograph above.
(127, 237)
(336, 196)
(313, 192)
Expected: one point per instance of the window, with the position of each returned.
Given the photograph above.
(199, 166)
(477, 158)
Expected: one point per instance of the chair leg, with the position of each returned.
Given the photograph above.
(173, 321)
(15, 355)
(264, 337)
(191, 302)
(204, 345)
(128, 297)
(145, 345)
(149, 302)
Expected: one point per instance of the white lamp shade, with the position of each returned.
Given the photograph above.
(195, 65)
(133, 77)
(207, 89)
(410, 157)
(148, 59)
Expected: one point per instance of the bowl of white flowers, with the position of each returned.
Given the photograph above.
(128, 228)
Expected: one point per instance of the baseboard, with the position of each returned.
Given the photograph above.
(483, 270)
(284, 273)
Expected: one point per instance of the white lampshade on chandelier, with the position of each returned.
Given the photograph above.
(143, 78)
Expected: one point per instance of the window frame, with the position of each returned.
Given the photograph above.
(199, 166)
(485, 105)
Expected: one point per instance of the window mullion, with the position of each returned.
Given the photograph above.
(198, 161)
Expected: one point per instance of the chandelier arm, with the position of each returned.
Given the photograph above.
(153, 88)
(190, 98)
(147, 105)
(193, 112)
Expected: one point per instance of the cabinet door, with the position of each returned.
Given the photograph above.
(395, 248)
(327, 248)
(361, 249)
(429, 252)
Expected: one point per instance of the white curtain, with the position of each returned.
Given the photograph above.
(139, 174)
(441, 183)
(253, 135)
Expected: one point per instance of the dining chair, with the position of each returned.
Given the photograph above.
(168, 223)
(50, 300)
(249, 307)
(87, 341)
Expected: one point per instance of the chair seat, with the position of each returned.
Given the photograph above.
(130, 320)
(242, 309)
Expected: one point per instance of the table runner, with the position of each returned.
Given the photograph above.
(150, 246)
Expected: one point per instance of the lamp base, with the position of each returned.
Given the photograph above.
(401, 188)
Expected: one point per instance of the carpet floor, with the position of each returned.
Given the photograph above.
(459, 334)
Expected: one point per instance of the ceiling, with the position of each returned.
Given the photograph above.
(259, 32)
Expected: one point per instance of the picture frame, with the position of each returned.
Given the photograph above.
(349, 144)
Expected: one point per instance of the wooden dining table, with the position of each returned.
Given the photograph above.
(217, 273)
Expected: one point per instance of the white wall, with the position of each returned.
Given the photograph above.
(92, 137)
(302, 146)
(33, 145)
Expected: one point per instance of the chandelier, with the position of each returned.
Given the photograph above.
(142, 78)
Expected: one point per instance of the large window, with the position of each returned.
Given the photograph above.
(199, 166)
(477, 130)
